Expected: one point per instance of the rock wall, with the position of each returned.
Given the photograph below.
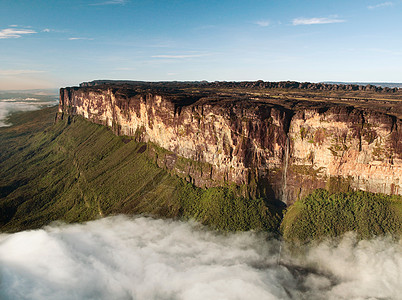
(363, 148)
(275, 151)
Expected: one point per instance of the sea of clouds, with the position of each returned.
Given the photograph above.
(23, 102)
(143, 258)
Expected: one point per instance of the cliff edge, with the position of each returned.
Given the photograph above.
(274, 143)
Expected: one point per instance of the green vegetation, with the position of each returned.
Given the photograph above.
(306, 170)
(224, 209)
(338, 184)
(303, 132)
(179, 166)
(74, 170)
(322, 214)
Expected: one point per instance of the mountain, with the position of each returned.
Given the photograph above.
(229, 156)
(390, 85)
(279, 147)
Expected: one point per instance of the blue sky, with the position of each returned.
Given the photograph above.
(46, 44)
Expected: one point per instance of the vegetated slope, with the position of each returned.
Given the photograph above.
(75, 170)
(322, 214)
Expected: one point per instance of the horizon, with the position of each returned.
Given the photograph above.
(56, 89)
(49, 45)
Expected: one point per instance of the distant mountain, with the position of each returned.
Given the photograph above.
(380, 84)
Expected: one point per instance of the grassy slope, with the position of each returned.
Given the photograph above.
(77, 171)
(322, 214)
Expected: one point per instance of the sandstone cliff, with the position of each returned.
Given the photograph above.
(281, 150)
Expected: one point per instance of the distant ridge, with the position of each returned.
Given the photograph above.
(380, 84)
(320, 86)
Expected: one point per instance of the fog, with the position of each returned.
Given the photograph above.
(23, 102)
(143, 258)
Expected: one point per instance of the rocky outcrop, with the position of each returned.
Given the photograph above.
(306, 86)
(275, 151)
(312, 86)
(363, 148)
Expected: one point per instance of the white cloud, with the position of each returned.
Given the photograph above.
(18, 72)
(47, 30)
(262, 23)
(79, 38)
(10, 33)
(179, 56)
(111, 2)
(314, 21)
(383, 4)
(21, 103)
(142, 258)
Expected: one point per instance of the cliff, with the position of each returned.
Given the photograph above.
(279, 148)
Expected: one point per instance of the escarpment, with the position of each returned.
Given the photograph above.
(278, 148)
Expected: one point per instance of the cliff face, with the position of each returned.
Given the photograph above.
(364, 148)
(278, 151)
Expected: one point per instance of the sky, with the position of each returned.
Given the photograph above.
(51, 44)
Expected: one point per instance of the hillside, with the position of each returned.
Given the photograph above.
(227, 160)
(78, 171)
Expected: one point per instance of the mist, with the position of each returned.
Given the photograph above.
(23, 102)
(143, 258)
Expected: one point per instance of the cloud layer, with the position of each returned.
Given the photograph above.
(10, 33)
(179, 56)
(22, 102)
(79, 38)
(262, 23)
(383, 4)
(111, 2)
(142, 258)
(315, 21)
(19, 72)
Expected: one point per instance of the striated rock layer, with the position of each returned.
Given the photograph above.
(279, 151)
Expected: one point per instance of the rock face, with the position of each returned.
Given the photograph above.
(276, 151)
(363, 148)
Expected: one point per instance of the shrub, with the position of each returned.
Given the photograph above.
(322, 214)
